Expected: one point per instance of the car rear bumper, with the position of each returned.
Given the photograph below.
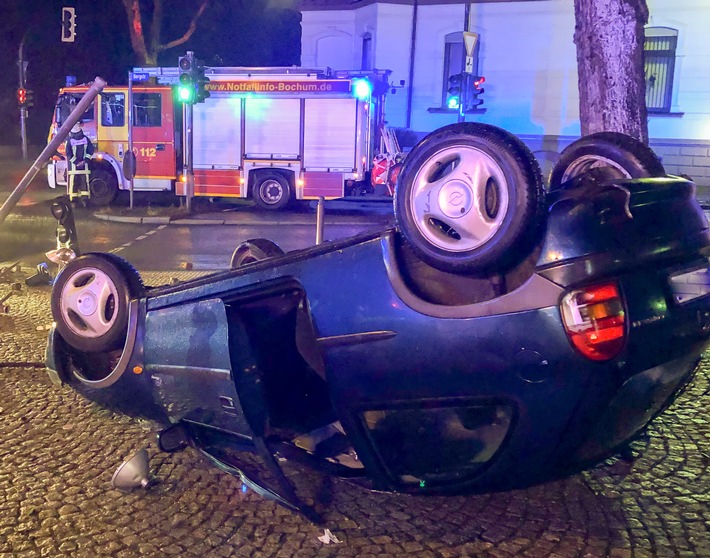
(637, 401)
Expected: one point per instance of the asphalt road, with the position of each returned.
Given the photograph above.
(142, 236)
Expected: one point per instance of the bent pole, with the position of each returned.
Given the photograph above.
(96, 88)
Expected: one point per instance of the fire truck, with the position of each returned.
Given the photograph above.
(272, 134)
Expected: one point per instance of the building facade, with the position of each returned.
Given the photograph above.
(525, 50)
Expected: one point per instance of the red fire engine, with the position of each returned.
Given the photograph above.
(272, 134)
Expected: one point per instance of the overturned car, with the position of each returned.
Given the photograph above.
(507, 333)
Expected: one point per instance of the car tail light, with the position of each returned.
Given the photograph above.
(595, 321)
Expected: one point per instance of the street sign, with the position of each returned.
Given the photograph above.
(470, 40)
(469, 65)
(140, 76)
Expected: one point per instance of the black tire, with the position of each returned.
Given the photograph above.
(90, 300)
(104, 187)
(254, 250)
(626, 156)
(474, 179)
(271, 191)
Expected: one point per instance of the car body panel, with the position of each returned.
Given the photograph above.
(430, 396)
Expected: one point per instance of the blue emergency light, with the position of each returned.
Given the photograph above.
(362, 88)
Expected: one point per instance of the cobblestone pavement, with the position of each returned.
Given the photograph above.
(59, 452)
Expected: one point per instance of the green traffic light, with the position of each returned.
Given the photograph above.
(453, 102)
(185, 94)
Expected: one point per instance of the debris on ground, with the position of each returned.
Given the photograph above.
(327, 537)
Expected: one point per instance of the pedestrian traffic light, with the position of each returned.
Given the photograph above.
(201, 81)
(474, 101)
(68, 25)
(186, 79)
(22, 96)
(453, 97)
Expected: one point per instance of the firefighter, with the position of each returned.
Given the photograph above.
(78, 152)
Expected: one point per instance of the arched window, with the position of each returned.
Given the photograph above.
(659, 51)
(366, 61)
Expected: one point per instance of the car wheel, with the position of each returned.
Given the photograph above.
(254, 250)
(468, 198)
(626, 156)
(271, 191)
(103, 186)
(90, 301)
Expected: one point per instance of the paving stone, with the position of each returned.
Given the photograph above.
(60, 451)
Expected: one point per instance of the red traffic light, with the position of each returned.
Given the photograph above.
(478, 80)
(22, 96)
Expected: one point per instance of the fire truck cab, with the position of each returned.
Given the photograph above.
(272, 134)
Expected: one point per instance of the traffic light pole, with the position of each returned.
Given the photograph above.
(465, 82)
(189, 174)
(23, 109)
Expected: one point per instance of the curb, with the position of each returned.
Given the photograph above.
(183, 221)
(126, 219)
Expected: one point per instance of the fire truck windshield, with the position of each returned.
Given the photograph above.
(66, 104)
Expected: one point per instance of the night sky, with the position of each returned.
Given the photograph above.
(229, 33)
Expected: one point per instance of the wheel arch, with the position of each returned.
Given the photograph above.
(255, 173)
(108, 162)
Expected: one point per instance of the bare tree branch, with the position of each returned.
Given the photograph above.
(188, 33)
(148, 55)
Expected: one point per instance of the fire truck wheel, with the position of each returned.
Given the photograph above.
(104, 187)
(90, 300)
(271, 191)
(469, 198)
(628, 157)
(254, 250)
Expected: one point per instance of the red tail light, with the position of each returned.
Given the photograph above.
(595, 321)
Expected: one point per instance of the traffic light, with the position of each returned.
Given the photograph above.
(474, 102)
(22, 96)
(200, 81)
(453, 96)
(29, 98)
(186, 79)
(68, 25)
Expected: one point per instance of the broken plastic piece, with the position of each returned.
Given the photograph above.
(328, 537)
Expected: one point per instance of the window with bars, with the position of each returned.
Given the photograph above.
(659, 52)
(366, 61)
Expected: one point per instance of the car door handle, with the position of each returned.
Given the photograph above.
(160, 147)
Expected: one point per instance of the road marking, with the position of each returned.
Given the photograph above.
(141, 237)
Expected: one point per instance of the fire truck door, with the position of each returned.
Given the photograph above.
(153, 139)
(112, 126)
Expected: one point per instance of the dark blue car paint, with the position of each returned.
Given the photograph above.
(389, 348)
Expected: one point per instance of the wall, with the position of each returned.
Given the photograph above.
(528, 57)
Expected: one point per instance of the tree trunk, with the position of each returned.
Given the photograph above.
(146, 56)
(612, 91)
